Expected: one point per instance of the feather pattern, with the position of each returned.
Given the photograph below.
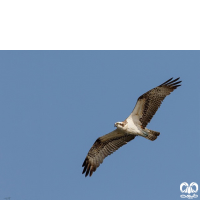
(149, 102)
(103, 147)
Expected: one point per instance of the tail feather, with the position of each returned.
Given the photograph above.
(152, 135)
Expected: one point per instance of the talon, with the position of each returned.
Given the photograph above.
(145, 133)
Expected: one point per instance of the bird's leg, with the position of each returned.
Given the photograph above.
(145, 133)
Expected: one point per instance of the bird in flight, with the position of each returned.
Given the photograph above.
(135, 125)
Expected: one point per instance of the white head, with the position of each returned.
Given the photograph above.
(120, 125)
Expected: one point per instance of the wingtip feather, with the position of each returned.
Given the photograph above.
(167, 81)
(172, 83)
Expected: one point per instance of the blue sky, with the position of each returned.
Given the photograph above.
(55, 104)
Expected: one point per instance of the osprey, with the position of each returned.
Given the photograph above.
(134, 125)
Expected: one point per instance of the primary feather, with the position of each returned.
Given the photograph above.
(103, 147)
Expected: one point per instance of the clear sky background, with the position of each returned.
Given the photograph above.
(55, 104)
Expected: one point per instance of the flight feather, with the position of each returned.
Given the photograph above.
(103, 147)
(148, 103)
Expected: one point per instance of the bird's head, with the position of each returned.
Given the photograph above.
(120, 125)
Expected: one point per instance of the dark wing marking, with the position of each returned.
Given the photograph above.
(149, 102)
(103, 147)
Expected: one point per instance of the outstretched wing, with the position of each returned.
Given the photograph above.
(103, 147)
(148, 103)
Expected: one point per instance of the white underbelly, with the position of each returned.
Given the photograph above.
(133, 129)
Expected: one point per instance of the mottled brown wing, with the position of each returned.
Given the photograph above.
(149, 102)
(103, 147)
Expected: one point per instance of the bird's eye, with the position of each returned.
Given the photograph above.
(121, 124)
